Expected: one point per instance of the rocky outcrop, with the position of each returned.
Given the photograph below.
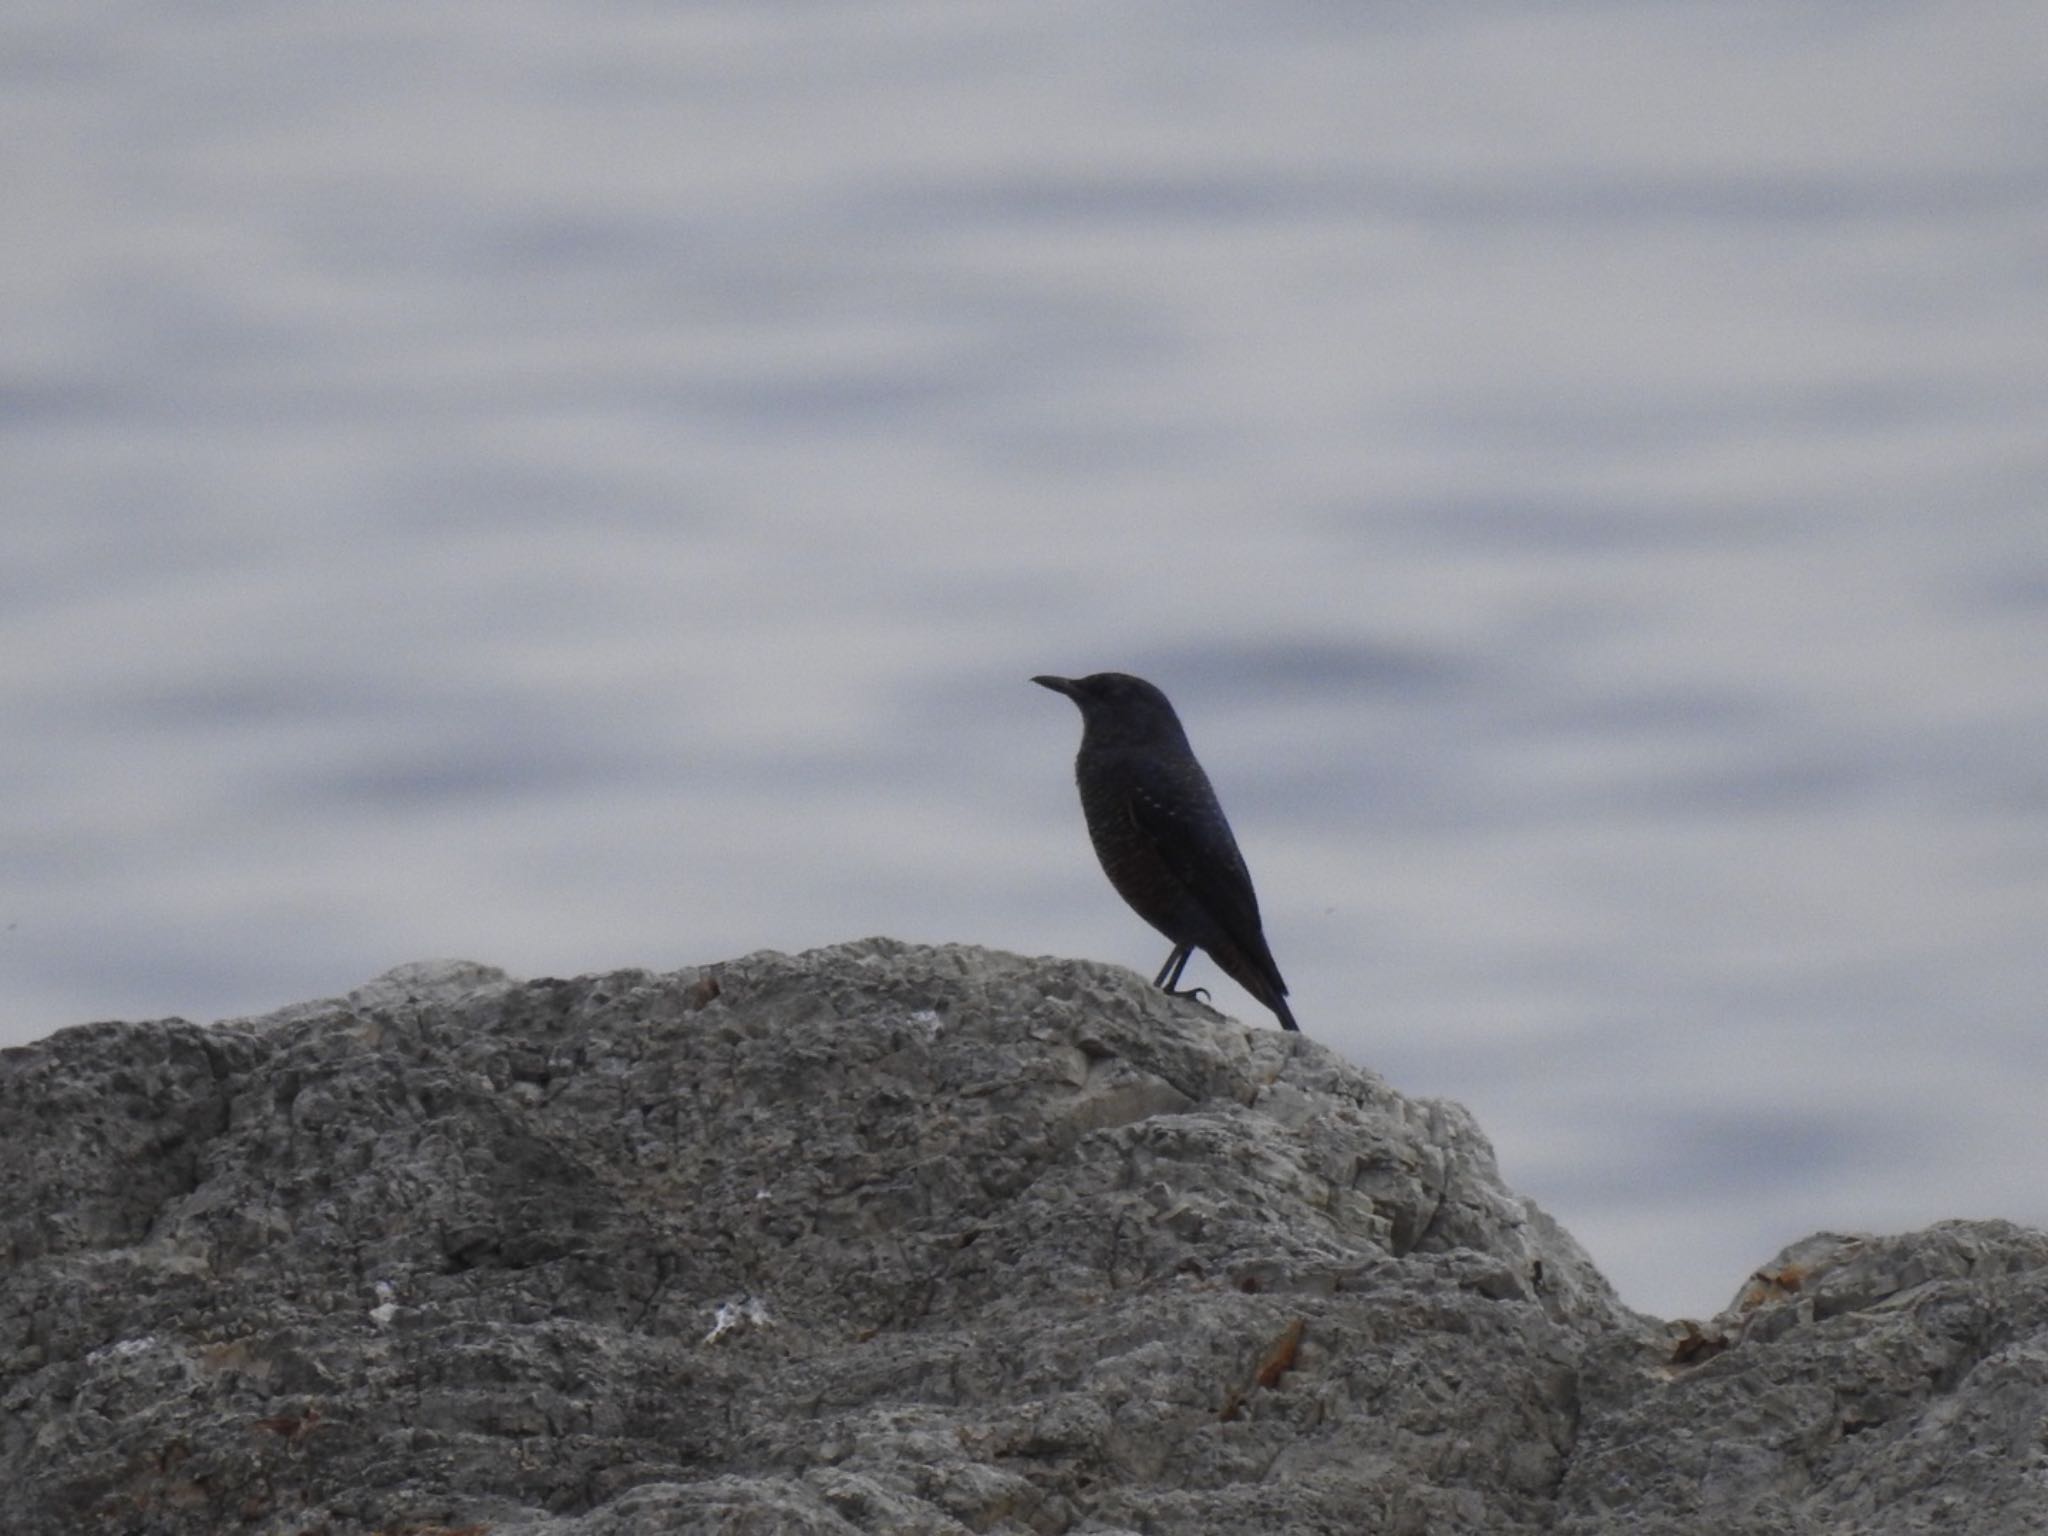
(896, 1239)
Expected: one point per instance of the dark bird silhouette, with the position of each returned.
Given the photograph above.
(1162, 837)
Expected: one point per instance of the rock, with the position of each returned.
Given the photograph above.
(897, 1239)
(1869, 1384)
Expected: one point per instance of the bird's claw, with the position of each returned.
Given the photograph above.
(1199, 994)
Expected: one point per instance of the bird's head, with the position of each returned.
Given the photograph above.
(1119, 710)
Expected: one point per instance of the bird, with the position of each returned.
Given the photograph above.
(1162, 837)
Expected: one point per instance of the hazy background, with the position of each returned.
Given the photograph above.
(577, 486)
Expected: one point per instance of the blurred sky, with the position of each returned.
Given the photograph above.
(579, 486)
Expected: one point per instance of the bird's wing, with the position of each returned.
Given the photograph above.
(1182, 820)
(1172, 809)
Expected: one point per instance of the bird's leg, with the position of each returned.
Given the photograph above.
(1169, 975)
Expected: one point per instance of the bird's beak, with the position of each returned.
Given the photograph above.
(1056, 684)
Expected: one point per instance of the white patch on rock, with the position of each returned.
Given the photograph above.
(733, 1314)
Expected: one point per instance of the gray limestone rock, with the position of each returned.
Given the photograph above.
(896, 1239)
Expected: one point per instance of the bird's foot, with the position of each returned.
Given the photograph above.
(1199, 994)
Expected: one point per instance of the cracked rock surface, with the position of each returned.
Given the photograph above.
(886, 1238)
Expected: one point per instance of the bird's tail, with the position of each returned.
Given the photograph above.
(1258, 975)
